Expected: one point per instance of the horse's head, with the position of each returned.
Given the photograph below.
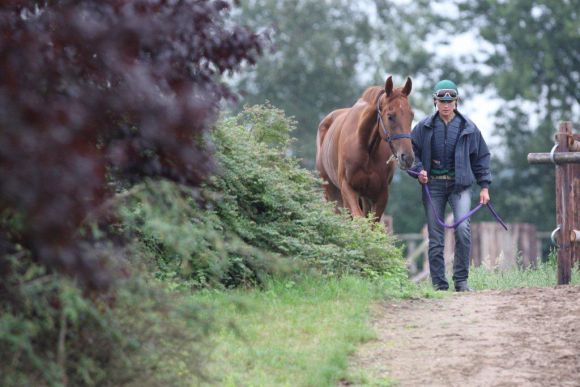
(395, 117)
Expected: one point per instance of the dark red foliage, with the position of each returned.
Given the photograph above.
(90, 88)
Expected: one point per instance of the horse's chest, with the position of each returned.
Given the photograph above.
(370, 180)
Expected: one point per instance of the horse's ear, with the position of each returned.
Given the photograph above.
(408, 86)
(389, 86)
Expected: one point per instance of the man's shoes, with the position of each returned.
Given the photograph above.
(463, 287)
(442, 288)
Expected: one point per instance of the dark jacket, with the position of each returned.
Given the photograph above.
(471, 153)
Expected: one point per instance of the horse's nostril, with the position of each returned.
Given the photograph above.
(406, 160)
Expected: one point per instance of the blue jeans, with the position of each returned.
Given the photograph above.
(442, 192)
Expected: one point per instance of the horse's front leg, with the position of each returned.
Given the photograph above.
(380, 205)
(350, 199)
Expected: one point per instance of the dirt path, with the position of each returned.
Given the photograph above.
(523, 337)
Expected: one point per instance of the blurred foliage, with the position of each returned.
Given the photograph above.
(536, 64)
(312, 69)
(261, 214)
(54, 333)
(91, 91)
(536, 53)
(95, 97)
(325, 55)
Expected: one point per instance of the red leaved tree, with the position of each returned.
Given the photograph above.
(93, 89)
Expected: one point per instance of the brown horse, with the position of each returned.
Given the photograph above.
(357, 148)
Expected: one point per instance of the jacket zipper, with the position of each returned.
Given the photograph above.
(444, 166)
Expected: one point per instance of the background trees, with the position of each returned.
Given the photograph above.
(524, 54)
(535, 63)
(315, 63)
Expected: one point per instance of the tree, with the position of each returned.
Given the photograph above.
(94, 90)
(313, 67)
(535, 58)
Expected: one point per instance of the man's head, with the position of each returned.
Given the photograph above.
(445, 97)
(445, 90)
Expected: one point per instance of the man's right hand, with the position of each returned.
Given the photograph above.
(423, 179)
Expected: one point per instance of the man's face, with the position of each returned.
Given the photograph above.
(445, 108)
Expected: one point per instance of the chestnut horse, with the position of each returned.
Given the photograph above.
(357, 148)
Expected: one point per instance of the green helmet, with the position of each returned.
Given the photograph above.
(445, 90)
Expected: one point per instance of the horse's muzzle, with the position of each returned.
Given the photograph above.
(406, 161)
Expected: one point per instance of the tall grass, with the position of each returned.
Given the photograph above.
(543, 275)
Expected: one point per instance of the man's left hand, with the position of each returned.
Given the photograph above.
(484, 196)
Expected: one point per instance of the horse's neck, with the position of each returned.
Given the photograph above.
(375, 142)
(368, 134)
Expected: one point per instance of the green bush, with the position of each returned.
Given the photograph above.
(54, 333)
(260, 214)
(180, 239)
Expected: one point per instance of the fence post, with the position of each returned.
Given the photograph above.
(565, 203)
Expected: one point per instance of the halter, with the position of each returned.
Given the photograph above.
(388, 138)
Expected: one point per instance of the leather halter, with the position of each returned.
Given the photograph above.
(388, 138)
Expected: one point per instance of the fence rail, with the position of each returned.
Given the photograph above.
(556, 158)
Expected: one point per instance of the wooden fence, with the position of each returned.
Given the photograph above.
(565, 155)
(492, 247)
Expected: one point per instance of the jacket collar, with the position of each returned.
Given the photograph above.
(468, 125)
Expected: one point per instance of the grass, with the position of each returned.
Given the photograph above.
(294, 333)
(301, 332)
(544, 275)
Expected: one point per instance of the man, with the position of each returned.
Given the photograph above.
(450, 155)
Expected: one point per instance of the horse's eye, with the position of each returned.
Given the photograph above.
(392, 117)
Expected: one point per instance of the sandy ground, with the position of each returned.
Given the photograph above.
(523, 337)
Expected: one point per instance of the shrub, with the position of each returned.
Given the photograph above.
(181, 239)
(261, 213)
(54, 333)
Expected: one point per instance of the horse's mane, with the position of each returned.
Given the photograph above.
(371, 93)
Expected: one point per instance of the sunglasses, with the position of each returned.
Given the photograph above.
(451, 93)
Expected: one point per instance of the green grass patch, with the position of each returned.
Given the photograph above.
(544, 275)
(294, 333)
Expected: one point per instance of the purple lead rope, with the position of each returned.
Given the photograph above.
(463, 218)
